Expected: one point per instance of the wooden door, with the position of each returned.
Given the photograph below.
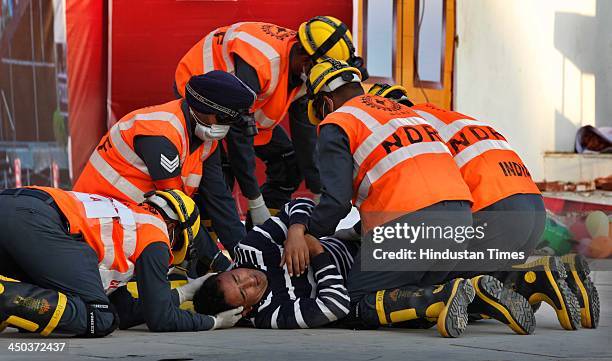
(410, 42)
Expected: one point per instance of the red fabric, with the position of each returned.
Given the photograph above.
(149, 37)
(86, 48)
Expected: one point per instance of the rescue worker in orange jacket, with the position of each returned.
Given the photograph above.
(273, 61)
(392, 165)
(508, 203)
(62, 253)
(174, 145)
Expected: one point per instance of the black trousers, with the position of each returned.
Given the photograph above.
(515, 223)
(36, 248)
(448, 213)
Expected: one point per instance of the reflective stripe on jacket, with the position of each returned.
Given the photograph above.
(117, 232)
(488, 164)
(115, 170)
(400, 162)
(266, 48)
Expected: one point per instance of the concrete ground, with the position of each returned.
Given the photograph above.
(485, 340)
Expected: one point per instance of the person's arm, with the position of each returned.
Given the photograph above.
(161, 159)
(336, 170)
(330, 303)
(245, 72)
(241, 152)
(241, 156)
(219, 203)
(159, 303)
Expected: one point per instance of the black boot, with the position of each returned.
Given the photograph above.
(30, 307)
(494, 301)
(544, 281)
(447, 304)
(580, 282)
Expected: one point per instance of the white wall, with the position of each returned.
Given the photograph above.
(536, 69)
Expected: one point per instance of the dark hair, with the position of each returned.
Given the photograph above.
(209, 299)
(397, 94)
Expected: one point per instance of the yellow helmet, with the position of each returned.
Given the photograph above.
(325, 77)
(176, 206)
(326, 36)
(396, 93)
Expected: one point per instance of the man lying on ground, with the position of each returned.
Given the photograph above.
(270, 296)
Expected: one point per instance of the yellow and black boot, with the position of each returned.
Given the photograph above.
(3, 279)
(29, 307)
(581, 284)
(492, 300)
(543, 280)
(446, 304)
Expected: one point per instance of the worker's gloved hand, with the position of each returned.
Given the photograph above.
(227, 319)
(259, 212)
(347, 234)
(186, 292)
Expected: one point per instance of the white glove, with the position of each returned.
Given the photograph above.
(186, 292)
(259, 212)
(347, 234)
(316, 198)
(227, 319)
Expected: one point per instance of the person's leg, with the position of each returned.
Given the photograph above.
(63, 271)
(390, 297)
(304, 137)
(282, 173)
(543, 280)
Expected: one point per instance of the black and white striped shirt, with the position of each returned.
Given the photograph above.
(315, 298)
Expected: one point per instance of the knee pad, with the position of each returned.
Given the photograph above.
(102, 320)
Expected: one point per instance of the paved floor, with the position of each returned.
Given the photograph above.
(485, 340)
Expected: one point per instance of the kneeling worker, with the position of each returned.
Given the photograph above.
(394, 167)
(62, 253)
(174, 146)
(503, 190)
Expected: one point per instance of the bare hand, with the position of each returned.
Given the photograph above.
(314, 246)
(296, 255)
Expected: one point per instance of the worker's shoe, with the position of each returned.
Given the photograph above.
(494, 301)
(544, 281)
(445, 304)
(581, 284)
(29, 307)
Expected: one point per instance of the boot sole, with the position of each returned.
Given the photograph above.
(569, 314)
(581, 284)
(515, 310)
(453, 318)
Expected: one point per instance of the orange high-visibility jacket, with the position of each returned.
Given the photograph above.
(263, 46)
(115, 170)
(400, 163)
(117, 232)
(489, 165)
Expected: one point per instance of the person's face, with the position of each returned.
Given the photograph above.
(243, 287)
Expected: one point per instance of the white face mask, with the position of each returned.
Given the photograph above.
(212, 132)
(209, 132)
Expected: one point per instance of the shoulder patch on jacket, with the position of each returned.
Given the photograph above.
(169, 165)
